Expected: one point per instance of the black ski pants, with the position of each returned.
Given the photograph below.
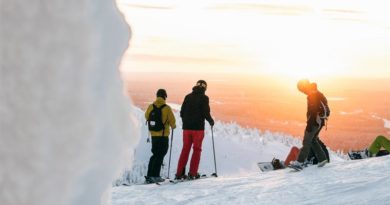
(159, 150)
(311, 142)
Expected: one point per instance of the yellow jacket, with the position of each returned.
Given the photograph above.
(167, 117)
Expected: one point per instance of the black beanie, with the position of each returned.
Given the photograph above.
(162, 93)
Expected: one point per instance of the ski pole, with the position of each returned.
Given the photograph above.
(215, 161)
(170, 153)
(147, 132)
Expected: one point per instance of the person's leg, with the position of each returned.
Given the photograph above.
(319, 153)
(310, 141)
(187, 143)
(379, 142)
(318, 150)
(292, 156)
(152, 159)
(198, 136)
(162, 149)
(323, 146)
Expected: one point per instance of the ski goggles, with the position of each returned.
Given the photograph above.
(201, 85)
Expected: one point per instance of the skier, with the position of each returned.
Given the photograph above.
(317, 113)
(194, 111)
(375, 147)
(164, 116)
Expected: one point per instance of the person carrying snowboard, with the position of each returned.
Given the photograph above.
(194, 111)
(317, 113)
(159, 117)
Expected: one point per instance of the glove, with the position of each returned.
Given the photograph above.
(212, 123)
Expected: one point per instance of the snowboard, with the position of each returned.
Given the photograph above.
(360, 154)
(295, 168)
(266, 166)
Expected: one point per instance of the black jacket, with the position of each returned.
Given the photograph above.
(195, 110)
(313, 109)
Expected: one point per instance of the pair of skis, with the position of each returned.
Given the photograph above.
(176, 181)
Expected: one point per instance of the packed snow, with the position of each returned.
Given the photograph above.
(240, 181)
(357, 182)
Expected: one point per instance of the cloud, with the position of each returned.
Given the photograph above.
(266, 8)
(342, 11)
(146, 6)
(336, 99)
(181, 59)
(355, 112)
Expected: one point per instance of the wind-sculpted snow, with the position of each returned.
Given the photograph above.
(357, 182)
(64, 121)
(238, 150)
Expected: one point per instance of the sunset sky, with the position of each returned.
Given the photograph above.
(299, 38)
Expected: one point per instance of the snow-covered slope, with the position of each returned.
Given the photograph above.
(237, 149)
(240, 181)
(343, 182)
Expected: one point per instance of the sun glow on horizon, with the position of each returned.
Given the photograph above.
(300, 38)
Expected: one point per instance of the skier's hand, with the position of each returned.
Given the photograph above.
(212, 123)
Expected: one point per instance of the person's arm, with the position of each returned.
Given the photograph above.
(312, 111)
(183, 107)
(206, 111)
(171, 118)
(148, 112)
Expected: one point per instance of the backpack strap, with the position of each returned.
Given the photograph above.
(162, 106)
(326, 114)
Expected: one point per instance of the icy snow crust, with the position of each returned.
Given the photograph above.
(241, 182)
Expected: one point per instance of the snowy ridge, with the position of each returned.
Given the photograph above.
(238, 150)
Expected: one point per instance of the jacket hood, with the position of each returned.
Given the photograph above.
(159, 102)
(198, 89)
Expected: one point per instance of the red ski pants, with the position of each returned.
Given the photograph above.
(190, 138)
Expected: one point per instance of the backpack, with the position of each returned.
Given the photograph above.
(155, 122)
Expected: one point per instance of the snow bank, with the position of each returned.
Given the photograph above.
(64, 121)
(238, 150)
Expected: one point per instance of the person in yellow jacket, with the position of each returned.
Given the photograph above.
(160, 139)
